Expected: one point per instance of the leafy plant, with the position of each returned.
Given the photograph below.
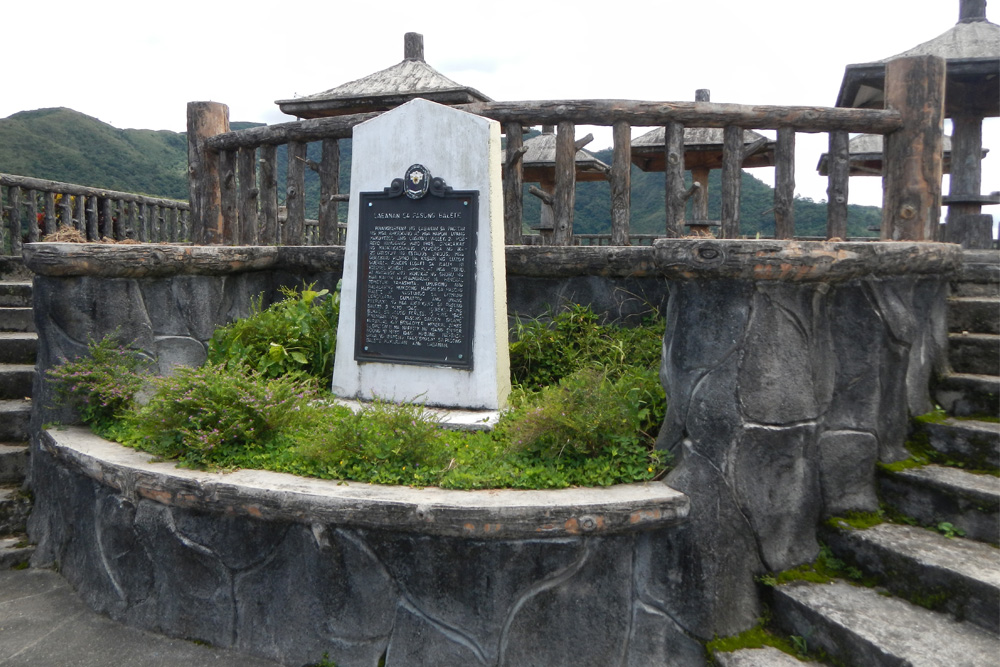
(542, 353)
(583, 413)
(102, 384)
(209, 415)
(295, 336)
(949, 530)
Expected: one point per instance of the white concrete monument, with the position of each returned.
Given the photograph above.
(423, 310)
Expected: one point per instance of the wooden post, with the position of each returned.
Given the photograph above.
(329, 188)
(836, 189)
(15, 219)
(784, 184)
(295, 194)
(247, 170)
(80, 215)
(911, 181)
(49, 215)
(204, 120)
(229, 198)
(673, 146)
(133, 220)
(699, 204)
(93, 232)
(32, 197)
(966, 224)
(565, 195)
(621, 182)
(513, 185)
(106, 222)
(66, 210)
(732, 174)
(268, 194)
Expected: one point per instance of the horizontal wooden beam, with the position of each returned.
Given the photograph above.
(636, 113)
(690, 114)
(315, 129)
(43, 185)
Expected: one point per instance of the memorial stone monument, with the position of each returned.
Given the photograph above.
(423, 302)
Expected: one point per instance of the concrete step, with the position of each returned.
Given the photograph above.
(861, 626)
(975, 443)
(965, 394)
(954, 575)
(15, 418)
(14, 509)
(16, 319)
(974, 314)
(766, 656)
(15, 551)
(13, 462)
(18, 347)
(15, 380)
(974, 353)
(936, 494)
(15, 293)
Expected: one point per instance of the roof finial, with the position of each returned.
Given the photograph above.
(413, 46)
(970, 11)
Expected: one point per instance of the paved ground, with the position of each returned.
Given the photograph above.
(43, 623)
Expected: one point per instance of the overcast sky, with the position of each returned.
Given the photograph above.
(136, 64)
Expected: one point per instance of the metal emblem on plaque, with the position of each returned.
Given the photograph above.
(417, 273)
(417, 181)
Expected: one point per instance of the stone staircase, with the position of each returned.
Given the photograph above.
(17, 368)
(937, 596)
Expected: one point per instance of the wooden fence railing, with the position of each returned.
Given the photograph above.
(233, 176)
(234, 201)
(32, 208)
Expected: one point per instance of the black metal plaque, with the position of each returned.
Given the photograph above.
(417, 273)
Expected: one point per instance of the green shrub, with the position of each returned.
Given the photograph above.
(101, 385)
(295, 336)
(583, 413)
(382, 443)
(213, 415)
(542, 353)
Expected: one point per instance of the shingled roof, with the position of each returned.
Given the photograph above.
(540, 161)
(702, 149)
(385, 89)
(865, 151)
(972, 51)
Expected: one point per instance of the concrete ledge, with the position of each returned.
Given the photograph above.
(790, 261)
(491, 514)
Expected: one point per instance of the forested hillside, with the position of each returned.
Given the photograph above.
(65, 145)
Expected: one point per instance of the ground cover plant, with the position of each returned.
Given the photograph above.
(585, 408)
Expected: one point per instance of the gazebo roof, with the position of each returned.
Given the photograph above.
(702, 149)
(865, 152)
(540, 161)
(972, 51)
(385, 89)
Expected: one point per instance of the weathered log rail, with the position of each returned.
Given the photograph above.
(239, 206)
(34, 207)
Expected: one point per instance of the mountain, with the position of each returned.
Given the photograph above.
(65, 145)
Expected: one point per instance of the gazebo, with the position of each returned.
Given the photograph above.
(702, 153)
(538, 157)
(971, 50)
(386, 89)
(865, 156)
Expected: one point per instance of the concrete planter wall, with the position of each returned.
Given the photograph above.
(790, 369)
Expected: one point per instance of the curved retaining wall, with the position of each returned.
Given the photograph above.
(790, 368)
(292, 568)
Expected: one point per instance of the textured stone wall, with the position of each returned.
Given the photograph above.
(293, 585)
(790, 369)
